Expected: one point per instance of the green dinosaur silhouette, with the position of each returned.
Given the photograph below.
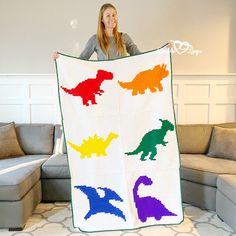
(151, 139)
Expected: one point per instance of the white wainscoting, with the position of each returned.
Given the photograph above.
(198, 98)
(29, 99)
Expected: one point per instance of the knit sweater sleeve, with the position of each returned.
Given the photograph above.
(89, 48)
(131, 47)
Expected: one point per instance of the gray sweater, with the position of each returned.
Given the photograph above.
(93, 46)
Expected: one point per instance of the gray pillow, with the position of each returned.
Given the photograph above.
(9, 145)
(223, 143)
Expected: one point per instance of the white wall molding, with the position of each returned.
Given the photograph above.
(198, 98)
(29, 98)
(205, 98)
(175, 74)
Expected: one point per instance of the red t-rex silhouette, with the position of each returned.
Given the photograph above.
(89, 87)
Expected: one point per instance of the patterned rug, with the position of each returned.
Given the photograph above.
(56, 219)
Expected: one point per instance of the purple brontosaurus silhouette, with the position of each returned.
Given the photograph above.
(148, 206)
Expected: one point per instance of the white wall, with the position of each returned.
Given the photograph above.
(30, 30)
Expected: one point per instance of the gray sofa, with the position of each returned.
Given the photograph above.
(43, 173)
(20, 177)
(207, 182)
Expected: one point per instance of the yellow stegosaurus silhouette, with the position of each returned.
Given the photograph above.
(96, 145)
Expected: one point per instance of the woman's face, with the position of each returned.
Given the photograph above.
(109, 18)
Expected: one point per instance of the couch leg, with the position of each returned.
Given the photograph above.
(16, 229)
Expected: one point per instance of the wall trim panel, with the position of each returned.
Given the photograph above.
(198, 98)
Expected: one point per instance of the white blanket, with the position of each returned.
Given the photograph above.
(120, 131)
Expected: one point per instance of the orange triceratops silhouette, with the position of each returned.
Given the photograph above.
(148, 79)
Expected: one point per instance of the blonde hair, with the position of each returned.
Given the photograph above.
(103, 39)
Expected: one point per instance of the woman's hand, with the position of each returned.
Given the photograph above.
(55, 55)
(170, 44)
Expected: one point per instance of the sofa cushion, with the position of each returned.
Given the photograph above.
(18, 175)
(203, 169)
(227, 125)
(36, 138)
(194, 139)
(56, 167)
(226, 184)
(9, 145)
(59, 143)
(223, 143)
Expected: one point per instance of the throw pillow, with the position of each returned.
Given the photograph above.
(9, 145)
(223, 143)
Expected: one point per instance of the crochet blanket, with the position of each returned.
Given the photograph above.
(120, 133)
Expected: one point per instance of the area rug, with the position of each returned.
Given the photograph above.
(56, 219)
(120, 132)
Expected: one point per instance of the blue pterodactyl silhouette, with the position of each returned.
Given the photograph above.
(99, 204)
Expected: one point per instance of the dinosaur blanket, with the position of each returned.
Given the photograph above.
(120, 133)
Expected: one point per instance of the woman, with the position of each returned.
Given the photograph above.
(108, 43)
